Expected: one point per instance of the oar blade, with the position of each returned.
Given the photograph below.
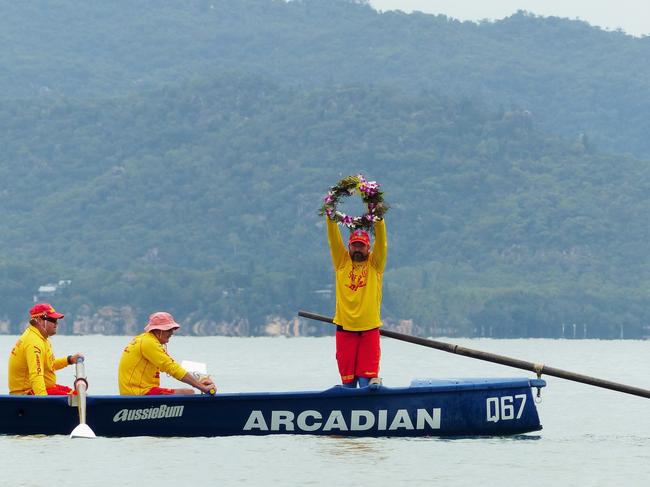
(82, 431)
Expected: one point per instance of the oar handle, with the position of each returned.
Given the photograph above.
(539, 369)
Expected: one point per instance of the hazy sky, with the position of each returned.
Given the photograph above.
(633, 16)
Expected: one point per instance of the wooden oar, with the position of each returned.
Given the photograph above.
(539, 369)
(81, 385)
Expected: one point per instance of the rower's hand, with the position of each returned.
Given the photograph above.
(74, 357)
(208, 387)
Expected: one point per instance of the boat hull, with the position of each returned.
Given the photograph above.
(468, 407)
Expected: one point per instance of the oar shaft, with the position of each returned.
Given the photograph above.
(81, 398)
(80, 385)
(500, 359)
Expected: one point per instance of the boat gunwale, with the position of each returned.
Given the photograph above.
(337, 391)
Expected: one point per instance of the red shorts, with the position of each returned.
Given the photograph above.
(357, 354)
(59, 390)
(159, 391)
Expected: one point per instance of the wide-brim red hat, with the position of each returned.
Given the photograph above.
(161, 321)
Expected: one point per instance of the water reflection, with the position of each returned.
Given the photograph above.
(339, 446)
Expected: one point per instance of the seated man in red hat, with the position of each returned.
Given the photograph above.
(32, 362)
(358, 276)
(146, 356)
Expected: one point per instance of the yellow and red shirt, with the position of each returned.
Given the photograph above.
(142, 361)
(358, 284)
(32, 364)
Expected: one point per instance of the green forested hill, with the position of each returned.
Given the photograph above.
(573, 78)
(201, 198)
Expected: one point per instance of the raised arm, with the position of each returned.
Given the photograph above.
(337, 247)
(380, 247)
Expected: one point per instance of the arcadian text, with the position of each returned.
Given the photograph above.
(336, 420)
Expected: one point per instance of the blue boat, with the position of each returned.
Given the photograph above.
(428, 407)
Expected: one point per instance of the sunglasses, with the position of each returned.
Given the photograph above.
(51, 320)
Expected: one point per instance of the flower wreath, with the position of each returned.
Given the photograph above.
(370, 194)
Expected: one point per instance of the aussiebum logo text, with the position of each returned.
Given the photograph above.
(159, 412)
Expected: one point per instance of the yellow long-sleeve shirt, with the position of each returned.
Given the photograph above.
(32, 364)
(358, 284)
(142, 361)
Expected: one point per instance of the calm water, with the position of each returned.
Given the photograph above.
(591, 436)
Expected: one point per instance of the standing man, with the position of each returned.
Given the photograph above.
(32, 362)
(146, 356)
(358, 274)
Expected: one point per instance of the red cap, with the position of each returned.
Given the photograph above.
(359, 236)
(44, 309)
(161, 321)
